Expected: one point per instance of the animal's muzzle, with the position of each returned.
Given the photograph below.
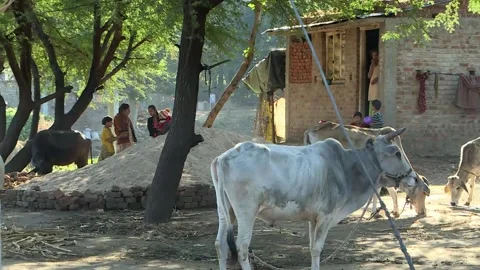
(453, 204)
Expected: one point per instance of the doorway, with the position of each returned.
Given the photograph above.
(371, 40)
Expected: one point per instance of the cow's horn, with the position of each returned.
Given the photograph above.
(462, 185)
(426, 189)
(390, 136)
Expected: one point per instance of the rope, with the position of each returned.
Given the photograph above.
(340, 121)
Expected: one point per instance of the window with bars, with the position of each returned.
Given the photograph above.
(335, 48)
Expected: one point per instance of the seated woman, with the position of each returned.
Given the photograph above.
(358, 121)
(165, 121)
(158, 123)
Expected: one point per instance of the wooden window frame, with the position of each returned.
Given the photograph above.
(329, 46)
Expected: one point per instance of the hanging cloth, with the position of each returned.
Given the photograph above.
(435, 85)
(422, 96)
(468, 92)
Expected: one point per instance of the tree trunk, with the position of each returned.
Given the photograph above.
(36, 99)
(132, 101)
(21, 159)
(232, 86)
(3, 118)
(162, 194)
(15, 128)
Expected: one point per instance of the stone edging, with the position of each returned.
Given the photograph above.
(195, 196)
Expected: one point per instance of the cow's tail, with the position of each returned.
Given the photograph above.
(91, 152)
(222, 202)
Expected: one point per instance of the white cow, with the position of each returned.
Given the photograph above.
(468, 171)
(321, 183)
(359, 136)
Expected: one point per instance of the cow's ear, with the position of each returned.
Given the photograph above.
(369, 143)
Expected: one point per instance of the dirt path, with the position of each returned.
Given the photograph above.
(446, 239)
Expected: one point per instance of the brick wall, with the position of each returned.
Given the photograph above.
(308, 103)
(443, 128)
(300, 62)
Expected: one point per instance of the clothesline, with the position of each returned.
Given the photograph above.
(445, 73)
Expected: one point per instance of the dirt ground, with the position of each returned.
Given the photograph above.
(446, 239)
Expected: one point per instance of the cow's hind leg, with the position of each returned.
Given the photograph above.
(245, 219)
(221, 241)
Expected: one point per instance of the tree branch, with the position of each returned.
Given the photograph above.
(214, 3)
(110, 54)
(106, 26)
(96, 47)
(125, 59)
(52, 57)
(36, 98)
(3, 118)
(63, 91)
(106, 40)
(13, 63)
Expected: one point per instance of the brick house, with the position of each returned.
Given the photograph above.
(440, 130)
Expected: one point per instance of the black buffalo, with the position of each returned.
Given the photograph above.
(54, 147)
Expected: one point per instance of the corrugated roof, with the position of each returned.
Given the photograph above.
(358, 17)
(313, 25)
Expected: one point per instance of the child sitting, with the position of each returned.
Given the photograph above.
(107, 139)
(358, 121)
(158, 123)
(165, 121)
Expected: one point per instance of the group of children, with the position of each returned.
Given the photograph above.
(376, 121)
(158, 124)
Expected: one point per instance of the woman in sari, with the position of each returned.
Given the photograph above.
(124, 128)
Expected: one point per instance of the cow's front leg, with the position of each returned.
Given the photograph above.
(393, 194)
(471, 191)
(320, 235)
(312, 227)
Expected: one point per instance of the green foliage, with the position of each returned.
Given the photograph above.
(26, 129)
(154, 64)
(69, 25)
(419, 28)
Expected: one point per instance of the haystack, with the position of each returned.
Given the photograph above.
(136, 166)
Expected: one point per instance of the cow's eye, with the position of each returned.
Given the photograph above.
(398, 154)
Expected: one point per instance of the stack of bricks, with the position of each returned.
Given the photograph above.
(196, 196)
(300, 63)
(125, 198)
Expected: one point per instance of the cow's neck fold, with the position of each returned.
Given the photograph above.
(358, 177)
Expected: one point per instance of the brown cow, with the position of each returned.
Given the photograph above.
(359, 137)
(467, 172)
(54, 147)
